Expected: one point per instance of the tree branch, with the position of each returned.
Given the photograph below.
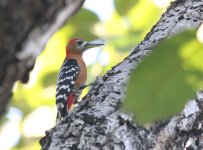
(98, 123)
(25, 28)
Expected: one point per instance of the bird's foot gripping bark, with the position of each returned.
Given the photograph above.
(83, 86)
(77, 91)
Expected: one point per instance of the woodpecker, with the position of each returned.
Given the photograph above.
(72, 75)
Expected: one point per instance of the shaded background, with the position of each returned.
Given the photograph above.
(119, 24)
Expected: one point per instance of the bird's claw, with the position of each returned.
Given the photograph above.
(82, 86)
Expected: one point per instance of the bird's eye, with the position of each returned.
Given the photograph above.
(80, 42)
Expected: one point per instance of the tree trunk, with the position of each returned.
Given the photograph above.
(26, 26)
(98, 123)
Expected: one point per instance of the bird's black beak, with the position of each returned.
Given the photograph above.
(89, 45)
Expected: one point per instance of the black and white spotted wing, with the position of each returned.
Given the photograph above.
(65, 83)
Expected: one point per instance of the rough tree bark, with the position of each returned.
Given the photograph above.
(98, 123)
(26, 26)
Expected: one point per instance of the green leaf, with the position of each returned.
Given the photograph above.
(83, 23)
(167, 79)
(123, 6)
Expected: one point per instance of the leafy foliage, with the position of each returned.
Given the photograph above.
(123, 7)
(83, 24)
(162, 83)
